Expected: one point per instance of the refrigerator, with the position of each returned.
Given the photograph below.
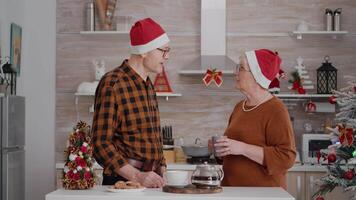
(12, 141)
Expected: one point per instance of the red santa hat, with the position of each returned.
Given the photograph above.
(147, 35)
(264, 65)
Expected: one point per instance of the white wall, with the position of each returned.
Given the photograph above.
(37, 83)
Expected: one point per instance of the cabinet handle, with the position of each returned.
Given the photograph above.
(311, 185)
(299, 187)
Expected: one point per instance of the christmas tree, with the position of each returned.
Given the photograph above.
(78, 169)
(342, 156)
(300, 78)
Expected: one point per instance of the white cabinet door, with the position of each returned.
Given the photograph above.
(296, 185)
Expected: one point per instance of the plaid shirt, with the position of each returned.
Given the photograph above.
(126, 121)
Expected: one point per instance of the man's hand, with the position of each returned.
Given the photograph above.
(149, 179)
(146, 179)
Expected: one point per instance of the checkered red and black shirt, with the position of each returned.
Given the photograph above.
(126, 121)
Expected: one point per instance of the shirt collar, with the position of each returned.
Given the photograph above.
(133, 74)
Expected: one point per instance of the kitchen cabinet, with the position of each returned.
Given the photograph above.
(295, 184)
(301, 185)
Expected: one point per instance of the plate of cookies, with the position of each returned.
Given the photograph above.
(126, 186)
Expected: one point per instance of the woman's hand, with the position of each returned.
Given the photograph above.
(226, 146)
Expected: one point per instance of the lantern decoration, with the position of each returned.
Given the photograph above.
(8, 77)
(326, 77)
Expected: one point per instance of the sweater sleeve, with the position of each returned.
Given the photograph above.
(279, 152)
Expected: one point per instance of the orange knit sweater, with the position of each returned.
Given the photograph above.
(267, 126)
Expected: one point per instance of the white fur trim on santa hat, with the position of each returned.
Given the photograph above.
(156, 43)
(256, 70)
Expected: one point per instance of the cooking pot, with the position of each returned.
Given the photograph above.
(196, 150)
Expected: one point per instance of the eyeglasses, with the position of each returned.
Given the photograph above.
(240, 68)
(165, 51)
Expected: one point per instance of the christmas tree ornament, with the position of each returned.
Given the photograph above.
(354, 154)
(319, 198)
(332, 99)
(346, 137)
(349, 175)
(310, 107)
(78, 169)
(331, 158)
(213, 76)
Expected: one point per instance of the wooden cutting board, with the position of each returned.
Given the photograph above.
(191, 189)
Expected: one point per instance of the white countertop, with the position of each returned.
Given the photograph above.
(190, 167)
(229, 193)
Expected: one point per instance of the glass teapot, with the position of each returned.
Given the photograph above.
(206, 176)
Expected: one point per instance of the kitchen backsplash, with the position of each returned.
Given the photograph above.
(201, 111)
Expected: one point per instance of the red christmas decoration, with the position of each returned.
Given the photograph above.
(349, 175)
(331, 158)
(332, 99)
(346, 137)
(78, 169)
(319, 198)
(310, 107)
(301, 90)
(213, 75)
(318, 156)
(161, 83)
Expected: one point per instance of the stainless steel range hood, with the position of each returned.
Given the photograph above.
(213, 40)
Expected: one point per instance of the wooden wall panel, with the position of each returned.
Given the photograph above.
(201, 111)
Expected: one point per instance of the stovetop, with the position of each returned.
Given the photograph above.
(201, 160)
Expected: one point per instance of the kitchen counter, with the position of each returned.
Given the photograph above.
(190, 167)
(229, 193)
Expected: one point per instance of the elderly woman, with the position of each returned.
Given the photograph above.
(259, 145)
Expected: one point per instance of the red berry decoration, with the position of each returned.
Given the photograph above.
(319, 198)
(349, 175)
(301, 90)
(332, 99)
(331, 158)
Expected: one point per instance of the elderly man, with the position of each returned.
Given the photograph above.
(126, 122)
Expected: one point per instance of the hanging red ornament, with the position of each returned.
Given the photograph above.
(332, 99)
(310, 107)
(349, 175)
(354, 88)
(331, 158)
(319, 198)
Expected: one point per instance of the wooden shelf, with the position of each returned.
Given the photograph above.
(159, 94)
(202, 72)
(305, 96)
(334, 34)
(104, 32)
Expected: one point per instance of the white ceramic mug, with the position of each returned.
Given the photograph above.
(177, 178)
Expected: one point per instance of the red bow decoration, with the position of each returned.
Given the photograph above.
(213, 75)
(346, 136)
